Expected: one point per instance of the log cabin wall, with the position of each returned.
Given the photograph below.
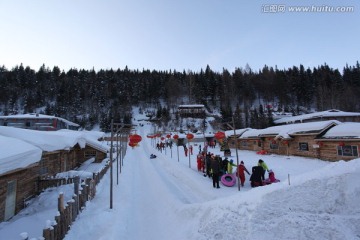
(25, 187)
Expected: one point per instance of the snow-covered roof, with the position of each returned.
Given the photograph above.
(238, 132)
(17, 154)
(33, 115)
(325, 114)
(251, 133)
(52, 141)
(285, 131)
(46, 141)
(344, 130)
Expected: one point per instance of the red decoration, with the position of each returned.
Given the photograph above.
(341, 144)
(219, 135)
(176, 137)
(132, 144)
(162, 138)
(135, 138)
(168, 136)
(189, 136)
(286, 142)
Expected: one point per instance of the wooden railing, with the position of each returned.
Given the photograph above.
(67, 213)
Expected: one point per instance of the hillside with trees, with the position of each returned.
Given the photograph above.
(90, 97)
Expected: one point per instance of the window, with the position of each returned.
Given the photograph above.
(90, 154)
(43, 169)
(244, 143)
(303, 146)
(274, 145)
(27, 124)
(347, 150)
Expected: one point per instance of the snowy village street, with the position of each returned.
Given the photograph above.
(165, 199)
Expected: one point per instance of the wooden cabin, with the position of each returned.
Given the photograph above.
(18, 174)
(341, 142)
(295, 139)
(194, 111)
(51, 153)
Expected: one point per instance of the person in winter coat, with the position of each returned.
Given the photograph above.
(215, 168)
(191, 149)
(230, 166)
(185, 151)
(241, 172)
(256, 176)
(208, 164)
(225, 165)
(198, 161)
(262, 164)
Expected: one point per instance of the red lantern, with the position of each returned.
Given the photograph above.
(176, 137)
(162, 138)
(219, 135)
(135, 138)
(189, 136)
(168, 136)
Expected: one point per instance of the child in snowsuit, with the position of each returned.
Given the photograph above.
(271, 178)
(241, 172)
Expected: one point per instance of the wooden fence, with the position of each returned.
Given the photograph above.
(57, 229)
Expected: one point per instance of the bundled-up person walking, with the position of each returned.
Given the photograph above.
(241, 172)
(262, 164)
(215, 168)
(230, 166)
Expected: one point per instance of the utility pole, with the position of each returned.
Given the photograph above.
(237, 155)
(111, 167)
(118, 129)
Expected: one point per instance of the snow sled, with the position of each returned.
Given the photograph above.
(152, 156)
(262, 152)
(256, 176)
(228, 180)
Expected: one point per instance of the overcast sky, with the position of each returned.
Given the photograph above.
(176, 34)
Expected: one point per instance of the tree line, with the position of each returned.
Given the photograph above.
(90, 97)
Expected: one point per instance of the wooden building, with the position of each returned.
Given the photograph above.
(326, 140)
(29, 156)
(341, 142)
(37, 122)
(18, 174)
(193, 110)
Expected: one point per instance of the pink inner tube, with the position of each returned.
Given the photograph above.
(228, 180)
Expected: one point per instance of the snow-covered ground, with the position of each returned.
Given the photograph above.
(163, 198)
